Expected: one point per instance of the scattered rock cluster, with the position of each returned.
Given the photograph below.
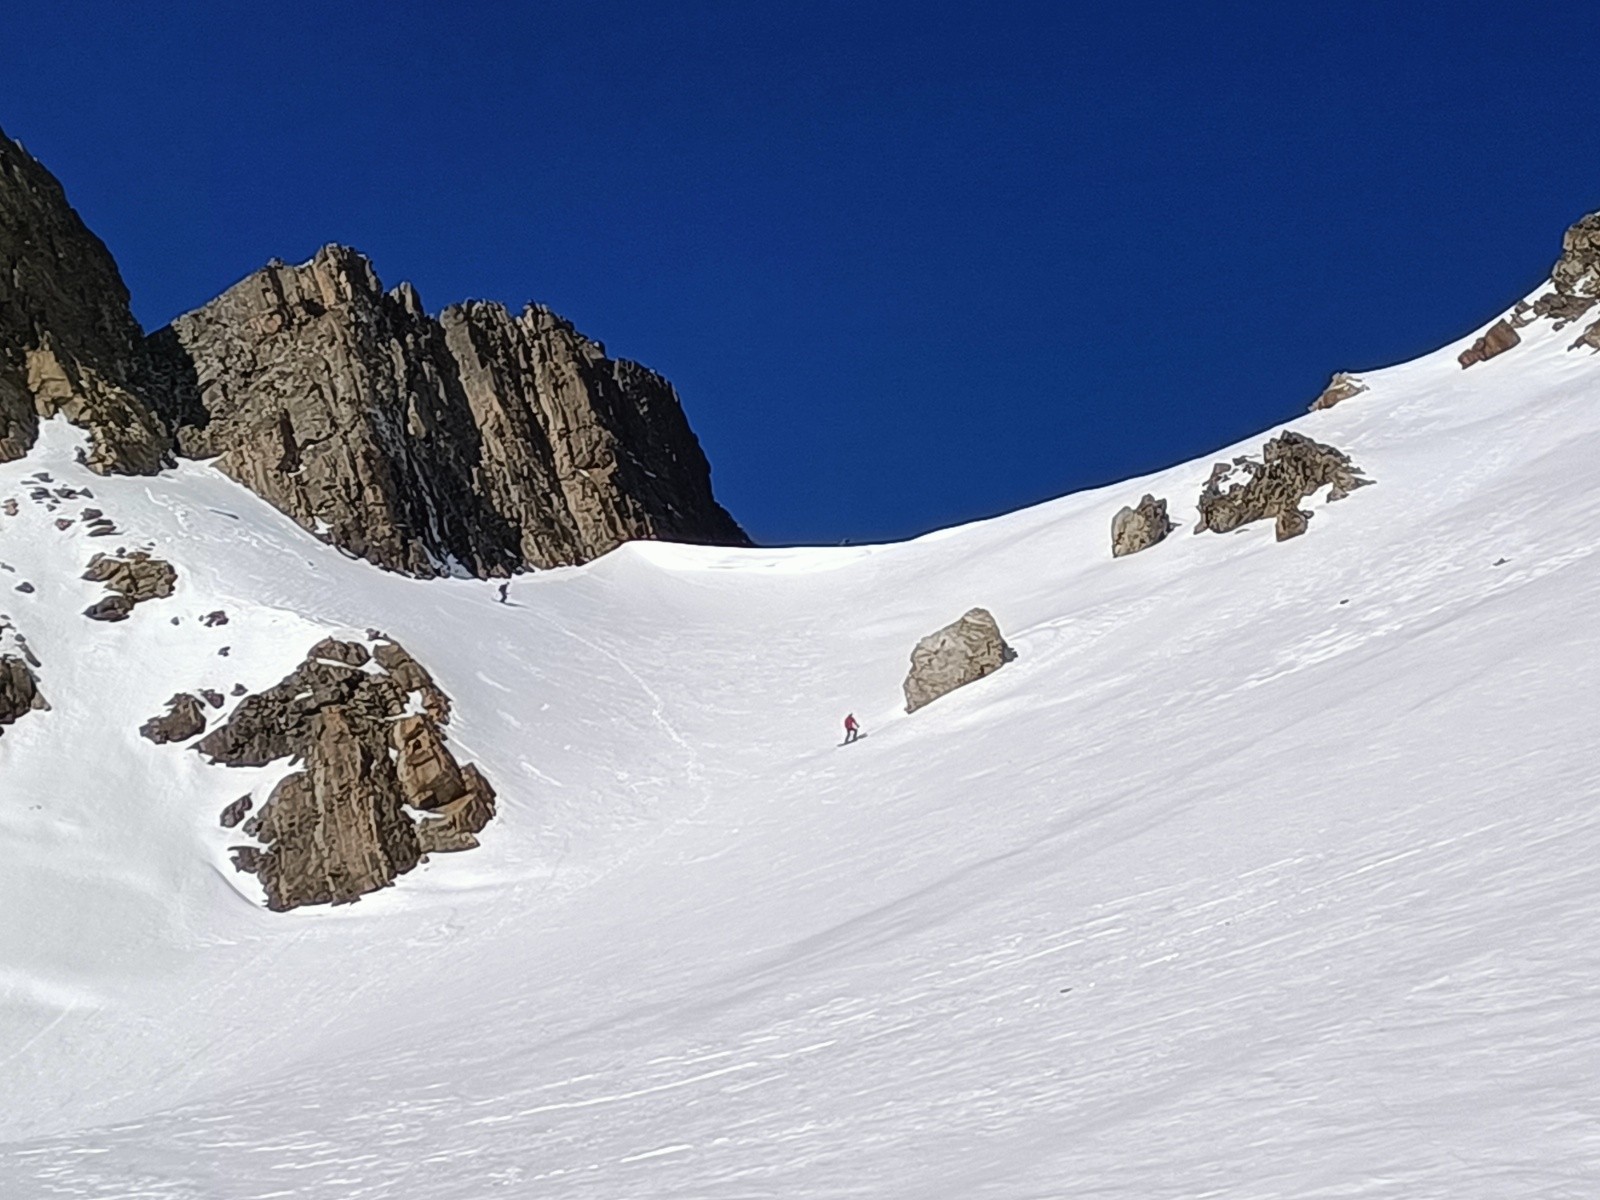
(962, 652)
(1575, 289)
(1135, 529)
(131, 579)
(379, 789)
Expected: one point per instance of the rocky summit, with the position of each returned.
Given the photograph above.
(68, 341)
(476, 442)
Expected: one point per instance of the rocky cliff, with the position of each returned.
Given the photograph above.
(68, 340)
(476, 441)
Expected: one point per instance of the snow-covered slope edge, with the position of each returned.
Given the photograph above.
(1266, 870)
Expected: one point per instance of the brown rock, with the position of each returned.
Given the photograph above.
(451, 828)
(341, 827)
(336, 830)
(962, 652)
(184, 718)
(476, 441)
(235, 812)
(69, 343)
(1135, 529)
(429, 775)
(1292, 467)
(19, 691)
(136, 576)
(1499, 338)
(1340, 388)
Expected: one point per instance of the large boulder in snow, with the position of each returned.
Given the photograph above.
(19, 691)
(131, 579)
(1136, 529)
(962, 652)
(1496, 340)
(1292, 467)
(379, 788)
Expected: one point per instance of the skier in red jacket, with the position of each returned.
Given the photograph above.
(852, 730)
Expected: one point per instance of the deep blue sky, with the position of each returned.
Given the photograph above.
(907, 264)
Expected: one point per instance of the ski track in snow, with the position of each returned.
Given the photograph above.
(1266, 871)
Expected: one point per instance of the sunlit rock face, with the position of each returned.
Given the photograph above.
(477, 442)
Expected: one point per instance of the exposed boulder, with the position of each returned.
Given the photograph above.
(476, 441)
(110, 608)
(379, 787)
(69, 343)
(183, 719)
(1292, 467)
(1497, 339)
(1135, 529)
(136, 576)
(131, 579)
(1340, 388)
(19, 691)
(962, 652)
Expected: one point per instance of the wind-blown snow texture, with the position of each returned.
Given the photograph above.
(1265, 871)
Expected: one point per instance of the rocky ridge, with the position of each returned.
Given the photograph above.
(69, 343)
(476, 442)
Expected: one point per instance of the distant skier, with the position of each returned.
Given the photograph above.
(504, 588)
(852, 728)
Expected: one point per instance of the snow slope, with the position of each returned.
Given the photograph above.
(1266, 870)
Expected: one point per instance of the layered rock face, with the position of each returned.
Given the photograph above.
(962, 652)
(68, 340)
(477, 441)
(1292, 467)
(343, 825)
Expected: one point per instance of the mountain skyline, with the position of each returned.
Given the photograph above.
(903, 272)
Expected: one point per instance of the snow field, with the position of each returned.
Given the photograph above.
(1265, 871)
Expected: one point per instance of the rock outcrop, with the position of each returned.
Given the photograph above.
(183, 719)
(478, 441)
(68, 340)
(1575, 290)
(962, 652)
(1136, 529)
(1340, 388)
(131, 579)
(1292, 467)
(344, 825)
